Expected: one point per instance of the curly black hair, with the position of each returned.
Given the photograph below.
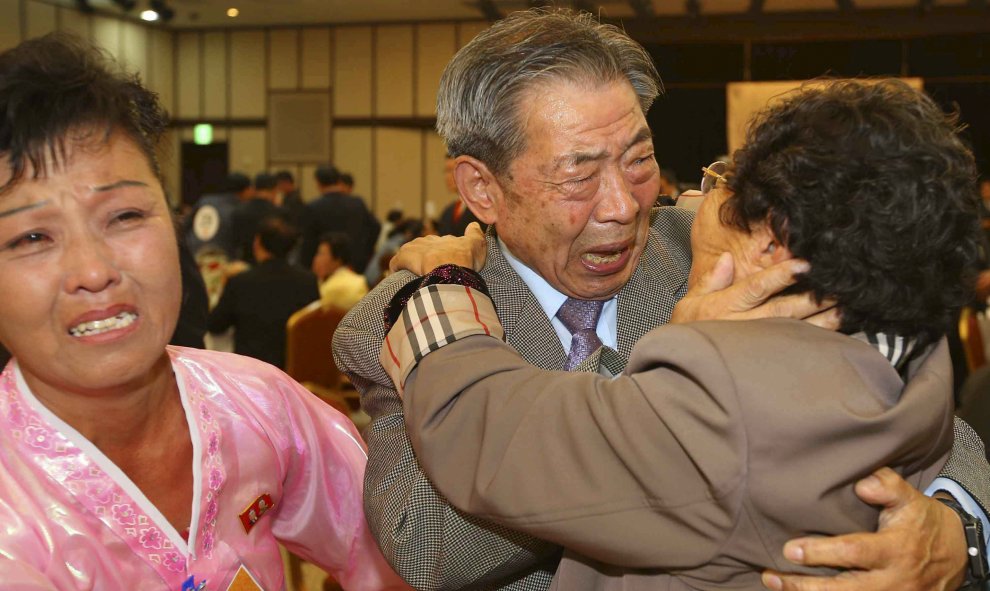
(870, 182)
(57, 90)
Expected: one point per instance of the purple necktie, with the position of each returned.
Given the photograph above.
(581, 317)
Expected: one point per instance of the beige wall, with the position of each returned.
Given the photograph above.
(370, 75)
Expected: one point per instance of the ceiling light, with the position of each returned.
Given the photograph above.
(233, 12)
(149, 15)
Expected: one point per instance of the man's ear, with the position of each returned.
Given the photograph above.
(478, 187)
(770, 250)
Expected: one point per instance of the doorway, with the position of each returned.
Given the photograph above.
(204, 170)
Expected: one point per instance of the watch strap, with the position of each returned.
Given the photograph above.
(976, 550)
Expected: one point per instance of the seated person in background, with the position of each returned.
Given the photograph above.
(404, 231)
(258, 302)
(340, 286)
(722, 440)
(126, 463)
(393, 217)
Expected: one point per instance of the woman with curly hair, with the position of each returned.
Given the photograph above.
(722, 440)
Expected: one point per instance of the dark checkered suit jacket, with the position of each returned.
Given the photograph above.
(431, 544)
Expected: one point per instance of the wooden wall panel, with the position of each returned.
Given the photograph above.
(394, 71)
(72, 21)
(467, 31)
(10, 32)
(134, 41)
(436, 195)
(215, 70)
(398, 181)
(743, 100)
(189, 77)
(247, 150)
(352, 152)
(161, 66)
(791, 5)
(106, 34)
(40, 19)
(248, 92)
(352, 72)
(316, 57)
(435, 45)
(283, 59)
(171, 160)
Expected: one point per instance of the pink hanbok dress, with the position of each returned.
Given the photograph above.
(271, 463)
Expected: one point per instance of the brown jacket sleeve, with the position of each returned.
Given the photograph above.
(482, 432)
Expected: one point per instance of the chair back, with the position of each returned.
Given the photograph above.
(971, 336)
(308, 336)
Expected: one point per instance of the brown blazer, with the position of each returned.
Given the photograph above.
(720, 442)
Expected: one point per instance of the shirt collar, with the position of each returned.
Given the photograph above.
(897, 349)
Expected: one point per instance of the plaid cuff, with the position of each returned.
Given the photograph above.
(442, 275)
(434, 316)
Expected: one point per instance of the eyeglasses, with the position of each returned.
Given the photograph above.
(712, 174)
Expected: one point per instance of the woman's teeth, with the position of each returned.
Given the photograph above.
(100, 326)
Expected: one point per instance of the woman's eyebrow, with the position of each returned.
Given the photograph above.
(23, 208)
(118, 185)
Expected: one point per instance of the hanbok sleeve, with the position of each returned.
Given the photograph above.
(322, 517)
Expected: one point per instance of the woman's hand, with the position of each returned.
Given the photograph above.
(422, 255)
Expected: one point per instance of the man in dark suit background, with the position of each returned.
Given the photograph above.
(289, 198)
(210, 224)
(258, 302)
(249, 213)
(335, 211)
(568, 189)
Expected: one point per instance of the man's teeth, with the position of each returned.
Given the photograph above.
(100, 326)
(600, 259)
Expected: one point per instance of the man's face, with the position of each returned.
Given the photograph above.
(576, 205)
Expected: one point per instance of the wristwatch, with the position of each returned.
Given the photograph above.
(976, 549)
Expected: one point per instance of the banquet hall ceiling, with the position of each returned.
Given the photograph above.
(213, 13)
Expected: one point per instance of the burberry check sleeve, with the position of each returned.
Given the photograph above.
(434, 316)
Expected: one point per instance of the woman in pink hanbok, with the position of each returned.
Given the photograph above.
(126, 463)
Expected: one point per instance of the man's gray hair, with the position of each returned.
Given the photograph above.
(482, 86)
